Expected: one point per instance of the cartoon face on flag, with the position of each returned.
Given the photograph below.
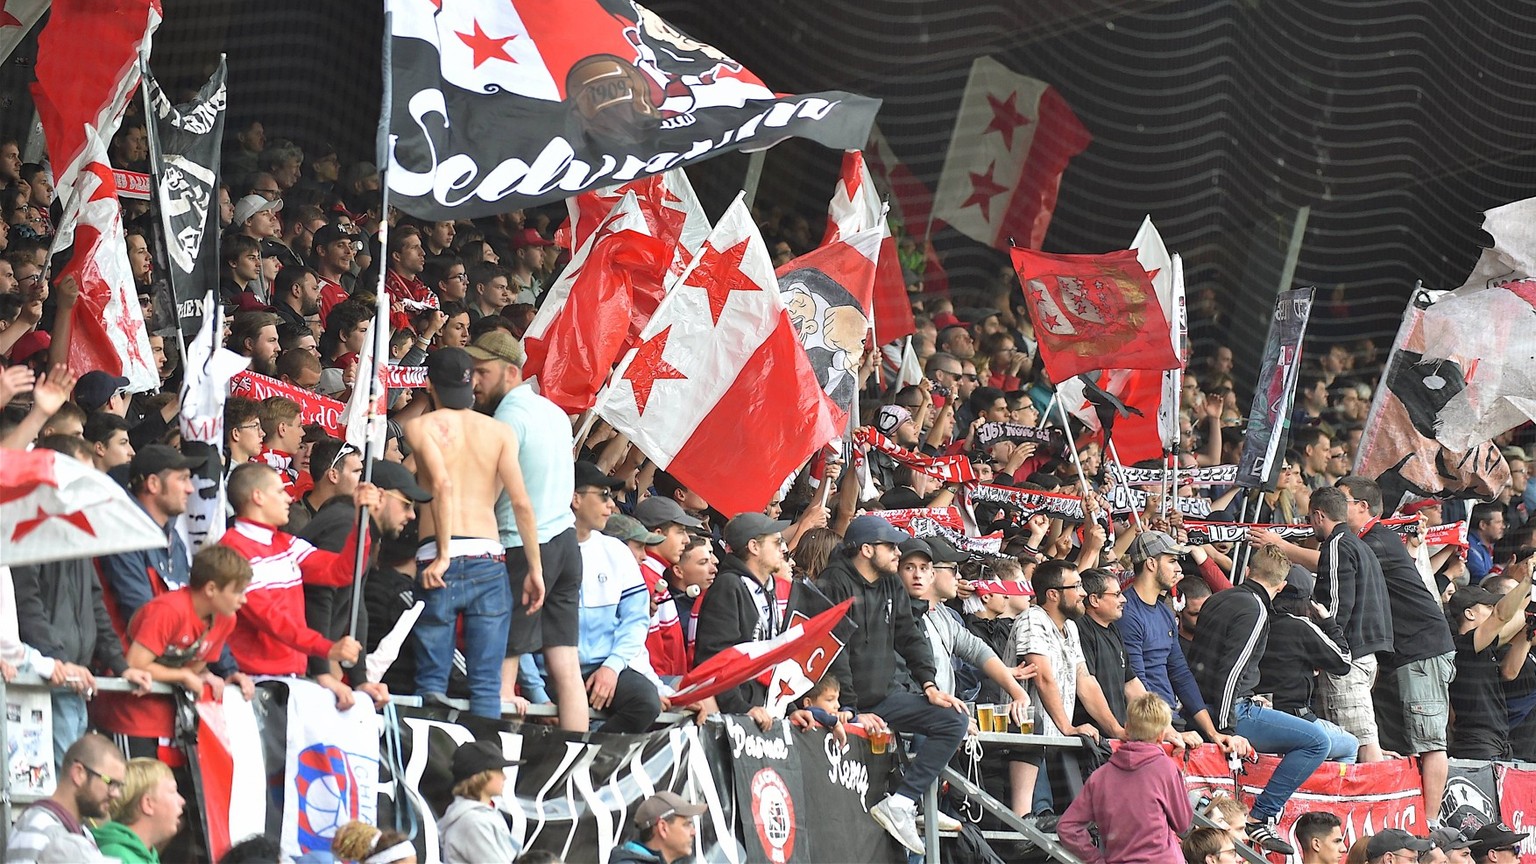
(831, 325)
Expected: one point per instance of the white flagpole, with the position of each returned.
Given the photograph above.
(1119, 472)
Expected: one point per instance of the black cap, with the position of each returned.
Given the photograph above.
(915, 546)
(155, 458)
(394, 477)
(588, 474)
(95, 387)
(327, 234)
(472, 757)
(943, 553)
(451, 372)
(1466, 598)
(1496, 836)
(1395, 840)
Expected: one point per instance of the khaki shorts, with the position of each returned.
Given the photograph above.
(1347, 700)
(1424, 687)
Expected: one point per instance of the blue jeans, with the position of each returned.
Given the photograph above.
(69, 722)
(1342, 746)
(942, 728)
(477, 589)
(1301, 745)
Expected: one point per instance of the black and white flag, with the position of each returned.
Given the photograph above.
(184, 159)
(497, 106)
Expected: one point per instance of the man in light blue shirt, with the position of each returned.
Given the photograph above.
(545, 454)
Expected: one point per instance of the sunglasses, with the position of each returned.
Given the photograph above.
(340, 455)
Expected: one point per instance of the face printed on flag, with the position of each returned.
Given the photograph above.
(826, 293)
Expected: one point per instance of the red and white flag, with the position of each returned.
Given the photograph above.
(911, 206)
(828, 292)
(1136, 435)
(741, 663)
(721, 374)
(856, 207)
(792, 678)
(16, 20)
(87, 66)
(53, 507)
(367, 407)
(604, 297)
(1012, 140)
(671, 209)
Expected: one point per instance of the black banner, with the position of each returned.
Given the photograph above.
(1471, 798)
(1068, 508)
(184, 159)
(546, 98)
(1269, 418)
(988, 434)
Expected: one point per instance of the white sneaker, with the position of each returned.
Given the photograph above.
(947, 823)
(899, 821)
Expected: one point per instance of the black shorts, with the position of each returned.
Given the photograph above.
(556, 624)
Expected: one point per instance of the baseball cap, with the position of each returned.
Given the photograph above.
(452, 375)
(1395, 840)
(29, 345)
(873, 529)
(154, 458)
(472, 757)
(588, 474)
(1150, 544)
(1495, 836)
(95, 387)
(656, 511)
(1466, 598)
(529, 237)
(360, 171)
(944, 552)
(327, 234)
(1301, 580)
(744, 527)
(628, 528)
(394, 477)
(250, 205)
(1448, 838)
(1416, 507)
(890, 417)
(497, 345)
(665, 805)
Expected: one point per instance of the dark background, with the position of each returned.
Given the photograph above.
(1396, 123)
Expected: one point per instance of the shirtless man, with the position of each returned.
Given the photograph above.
(467, 459)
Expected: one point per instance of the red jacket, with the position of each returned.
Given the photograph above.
(271, 636)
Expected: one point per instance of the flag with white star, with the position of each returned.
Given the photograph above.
(1013, 138)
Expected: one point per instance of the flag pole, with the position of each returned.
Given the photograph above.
(1119, 472)
(1066, 427)
(1046, 414)
(380, 321)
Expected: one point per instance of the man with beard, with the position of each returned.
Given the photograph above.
(296, 295)
(90, 779)
(160, 480)
(544, 452)
(864, 567)
(741, 606)
(254, 335)
(469, 460)
(331, 256)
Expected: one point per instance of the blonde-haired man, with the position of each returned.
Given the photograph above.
(145, 816)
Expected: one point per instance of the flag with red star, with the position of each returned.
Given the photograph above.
(87, 66)
(855, 207)
(1012, 139)
(17, 18)
(526, 102)
(720, 373)
(807, 644)
(1094, 312)
(53, 507)
(671, 209)
(598, 307)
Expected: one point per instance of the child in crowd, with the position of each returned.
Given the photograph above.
(821, 703)
(361, 843)
(473, 830)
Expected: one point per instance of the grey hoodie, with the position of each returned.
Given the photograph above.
(474, 833)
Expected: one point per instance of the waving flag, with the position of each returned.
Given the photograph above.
(1012, 140)
(87, 66)
(513, 104)
(1270, 414)
(828, 292)
(719, 374)
(607, 293)
(802, 642)
(53, 507)
(1094, 312)
(671, 209)
(1134, 430)
(16, 20)
(1492, 334)
(856, 207)
(204, 389)
(366, 409)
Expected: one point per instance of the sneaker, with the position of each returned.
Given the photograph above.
(899, 821)
(1266, 836)
(1044, 822)
(947, 823)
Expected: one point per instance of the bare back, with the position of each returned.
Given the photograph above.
(471, 451)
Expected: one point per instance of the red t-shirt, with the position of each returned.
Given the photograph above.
(171, 628)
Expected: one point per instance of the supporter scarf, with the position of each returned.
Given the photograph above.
(1236, 532)
(1208, 475)
(1124, 499)
(946, 469)
(1453, 534)
(314, 409)
(991, 544)
(903, 519)
(990, 433)
(1068, 508)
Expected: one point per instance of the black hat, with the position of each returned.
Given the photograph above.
(1466, 598)
(451, 372)
(944, 553)
(1495, 836)
(327, 234)
(155, 458)
(588, 474)
(96, 387)
(394, 477)
(475, 756)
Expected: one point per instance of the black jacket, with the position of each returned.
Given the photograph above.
(1298, 648)
(60, 612)
(1232, 637)
(328, 611)
(1419, 628)
(998, 634)
(866, 669)
(1350, 586)
(729, 615)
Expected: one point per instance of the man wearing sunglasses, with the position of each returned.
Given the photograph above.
(1497, 844)
(53, 829)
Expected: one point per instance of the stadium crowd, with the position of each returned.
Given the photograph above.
(575, 572)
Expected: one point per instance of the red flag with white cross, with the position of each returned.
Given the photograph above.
(1012, 140)
(720, 393)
